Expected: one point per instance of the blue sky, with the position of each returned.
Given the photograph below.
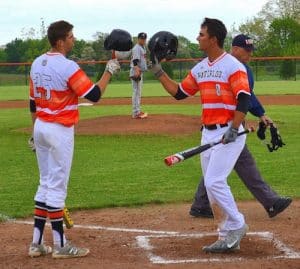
(181, 17)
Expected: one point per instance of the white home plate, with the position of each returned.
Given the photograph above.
(144, 242)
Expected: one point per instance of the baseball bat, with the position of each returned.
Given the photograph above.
(186, 154)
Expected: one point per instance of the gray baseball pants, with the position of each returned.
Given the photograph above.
(136, 96)
(248, 172)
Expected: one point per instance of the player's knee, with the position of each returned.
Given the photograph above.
(213, 184)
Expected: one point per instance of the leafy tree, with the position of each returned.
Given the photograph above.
(283, 36)
(2, 56)
(78, 49)
(280, 8)
(98, 46)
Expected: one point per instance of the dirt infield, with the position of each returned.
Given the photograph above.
(158, 236)
(161, 236)
(265, 99)
(167, 124)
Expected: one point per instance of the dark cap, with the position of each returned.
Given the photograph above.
(243, 41)
(142, 36)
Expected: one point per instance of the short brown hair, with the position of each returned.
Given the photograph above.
(58, 31)
(215, 28)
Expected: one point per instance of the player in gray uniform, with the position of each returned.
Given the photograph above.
(138, 65)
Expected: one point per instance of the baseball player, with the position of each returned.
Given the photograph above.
(55, 85)
(138, 66)
(225, 93)
(242, 48)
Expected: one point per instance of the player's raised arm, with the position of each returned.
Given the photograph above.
(117, 41)
(163, 45)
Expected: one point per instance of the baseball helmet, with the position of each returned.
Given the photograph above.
(119, 40)
(163, 45)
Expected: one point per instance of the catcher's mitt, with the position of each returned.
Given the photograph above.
(276, 140)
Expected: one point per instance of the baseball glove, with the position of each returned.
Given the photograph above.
(31, 144)
(276, 140)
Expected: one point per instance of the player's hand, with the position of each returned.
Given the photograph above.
(155, 67)
(230, 135)
(137, 72)
(113, 66)
(266, 120)
(31, 144)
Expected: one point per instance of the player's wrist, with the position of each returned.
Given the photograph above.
(157, 70)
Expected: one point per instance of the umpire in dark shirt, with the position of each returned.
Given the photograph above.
(242, 48)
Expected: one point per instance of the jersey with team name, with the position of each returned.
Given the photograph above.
(219, 83)
(55, 85)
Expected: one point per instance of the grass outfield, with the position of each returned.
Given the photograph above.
(128, 170)
(155, 89)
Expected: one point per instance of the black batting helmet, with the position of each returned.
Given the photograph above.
(119, 40)
(163, 45)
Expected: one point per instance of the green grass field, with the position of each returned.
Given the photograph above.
(155, 89)
(113, 171)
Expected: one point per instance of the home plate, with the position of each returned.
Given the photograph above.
(187, 248)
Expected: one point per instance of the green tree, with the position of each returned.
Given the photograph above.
(259, 26)
(2, 56)
(98, 46)
(283, 37)
(78, 49)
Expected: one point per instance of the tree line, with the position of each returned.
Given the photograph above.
(275, 30)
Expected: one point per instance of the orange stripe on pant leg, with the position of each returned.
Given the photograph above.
(40, 212)
(56, 215)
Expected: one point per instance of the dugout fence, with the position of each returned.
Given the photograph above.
(264, 68)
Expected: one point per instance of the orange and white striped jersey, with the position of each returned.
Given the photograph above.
(55, 84)
(219, 82)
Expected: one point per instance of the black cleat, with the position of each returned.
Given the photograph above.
(280, 205)
(201, 213)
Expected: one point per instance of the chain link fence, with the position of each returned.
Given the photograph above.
(266, 69)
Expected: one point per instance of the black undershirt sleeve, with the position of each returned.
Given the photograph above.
(180, 94)
(32, 106)
(243, 103)
(94, 95)
(135, 62)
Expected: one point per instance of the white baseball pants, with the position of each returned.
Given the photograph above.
(54, 150)
(217, 163)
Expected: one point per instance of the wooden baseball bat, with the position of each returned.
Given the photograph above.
(186, 154)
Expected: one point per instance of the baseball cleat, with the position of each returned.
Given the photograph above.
(220, 246)
(234, 237)
(201, 213)
(280, 205)
(230, 243)
(69, 251)
(141, 115)
(37, 250)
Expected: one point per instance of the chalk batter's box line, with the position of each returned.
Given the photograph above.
(143, 241)
(105, 228)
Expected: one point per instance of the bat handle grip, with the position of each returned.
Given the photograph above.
(113, 54)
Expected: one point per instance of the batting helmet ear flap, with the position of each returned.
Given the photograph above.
(119, 40)
(163, 45)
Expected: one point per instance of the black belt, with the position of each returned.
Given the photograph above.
(215, 126)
